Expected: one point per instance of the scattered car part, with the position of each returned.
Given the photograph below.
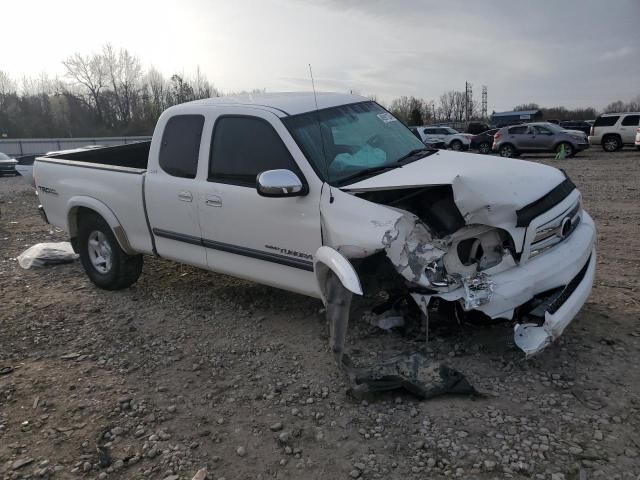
(411, 372)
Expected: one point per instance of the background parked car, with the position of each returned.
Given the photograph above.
(475, 128)
(538, 138)
(614, 130)
(577, 125)
(451, 138)
(638, 139)
(7, 165)
(483, 141)
(429, 143)
(25, 167)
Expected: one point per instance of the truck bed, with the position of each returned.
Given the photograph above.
(108, 180)
(130, 156)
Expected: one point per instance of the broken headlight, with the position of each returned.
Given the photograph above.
(475, 249)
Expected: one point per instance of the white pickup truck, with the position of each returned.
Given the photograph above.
(329, 200)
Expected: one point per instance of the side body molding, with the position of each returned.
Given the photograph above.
(82, 201)
(327, 259)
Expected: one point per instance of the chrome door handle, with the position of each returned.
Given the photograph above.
(213, 201)
(185, 196)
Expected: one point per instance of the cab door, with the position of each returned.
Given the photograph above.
(268, 240)
(171, 190)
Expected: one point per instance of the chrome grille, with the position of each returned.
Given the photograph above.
(555, 231)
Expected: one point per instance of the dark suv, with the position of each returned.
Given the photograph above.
(538, 137)
(576, 125)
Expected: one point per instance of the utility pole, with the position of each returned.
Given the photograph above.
(484, 102)
(468, 99)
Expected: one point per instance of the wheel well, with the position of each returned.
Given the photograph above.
(74, 216)
(508, 144)
(78, 212)
(564, 141)
(616, 135)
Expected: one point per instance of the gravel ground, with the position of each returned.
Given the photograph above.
(189, 369)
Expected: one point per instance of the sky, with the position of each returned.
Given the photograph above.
(572, 52)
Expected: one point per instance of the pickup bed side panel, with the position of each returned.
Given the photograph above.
(63, 188)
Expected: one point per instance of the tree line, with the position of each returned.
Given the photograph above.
(102, 94)
(108, 93)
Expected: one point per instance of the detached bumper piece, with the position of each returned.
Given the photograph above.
(412, 372)
(557, 309)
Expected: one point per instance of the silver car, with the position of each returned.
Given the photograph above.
(7, 165)
(538, 137)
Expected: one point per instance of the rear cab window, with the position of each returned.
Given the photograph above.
(243, 147)
(180, 145)
(606, 121)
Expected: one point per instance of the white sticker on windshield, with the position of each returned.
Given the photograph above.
(387, 117)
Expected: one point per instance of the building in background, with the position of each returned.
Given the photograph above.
(502, 119)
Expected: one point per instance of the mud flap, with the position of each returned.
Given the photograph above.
(412, 372)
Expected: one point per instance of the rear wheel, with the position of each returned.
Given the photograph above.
(611, 143)
(105, 263)
(507, 151)
(484, 147)
(456, 145)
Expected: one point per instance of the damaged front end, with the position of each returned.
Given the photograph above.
(463, 245)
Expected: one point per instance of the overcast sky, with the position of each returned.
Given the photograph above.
(571, 53)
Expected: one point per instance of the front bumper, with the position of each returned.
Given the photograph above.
(532, 338)
(554, 269)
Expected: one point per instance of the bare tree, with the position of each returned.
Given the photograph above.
(91, 73)
(7, 87)
(124, 71)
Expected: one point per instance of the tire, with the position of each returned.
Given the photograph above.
(105, 263)
(456, 145)
(507, 150)
(611, 143)
(568, 148)
(484, 148)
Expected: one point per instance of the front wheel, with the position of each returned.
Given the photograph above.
(568, 149)
(105, 263)
(484, 147)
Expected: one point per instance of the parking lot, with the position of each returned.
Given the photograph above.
(189, 369)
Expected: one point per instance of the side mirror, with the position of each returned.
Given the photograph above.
(280, 183)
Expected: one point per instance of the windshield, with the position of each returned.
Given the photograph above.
(356, 138)
(4, 157)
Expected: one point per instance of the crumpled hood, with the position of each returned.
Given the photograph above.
(487, 190)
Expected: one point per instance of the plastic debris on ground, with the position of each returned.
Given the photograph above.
(411, 372)
(46, 254)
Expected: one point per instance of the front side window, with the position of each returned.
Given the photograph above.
(180, 145)
(542, 130)
(344, 141)
(631, 121)
(243, 147)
